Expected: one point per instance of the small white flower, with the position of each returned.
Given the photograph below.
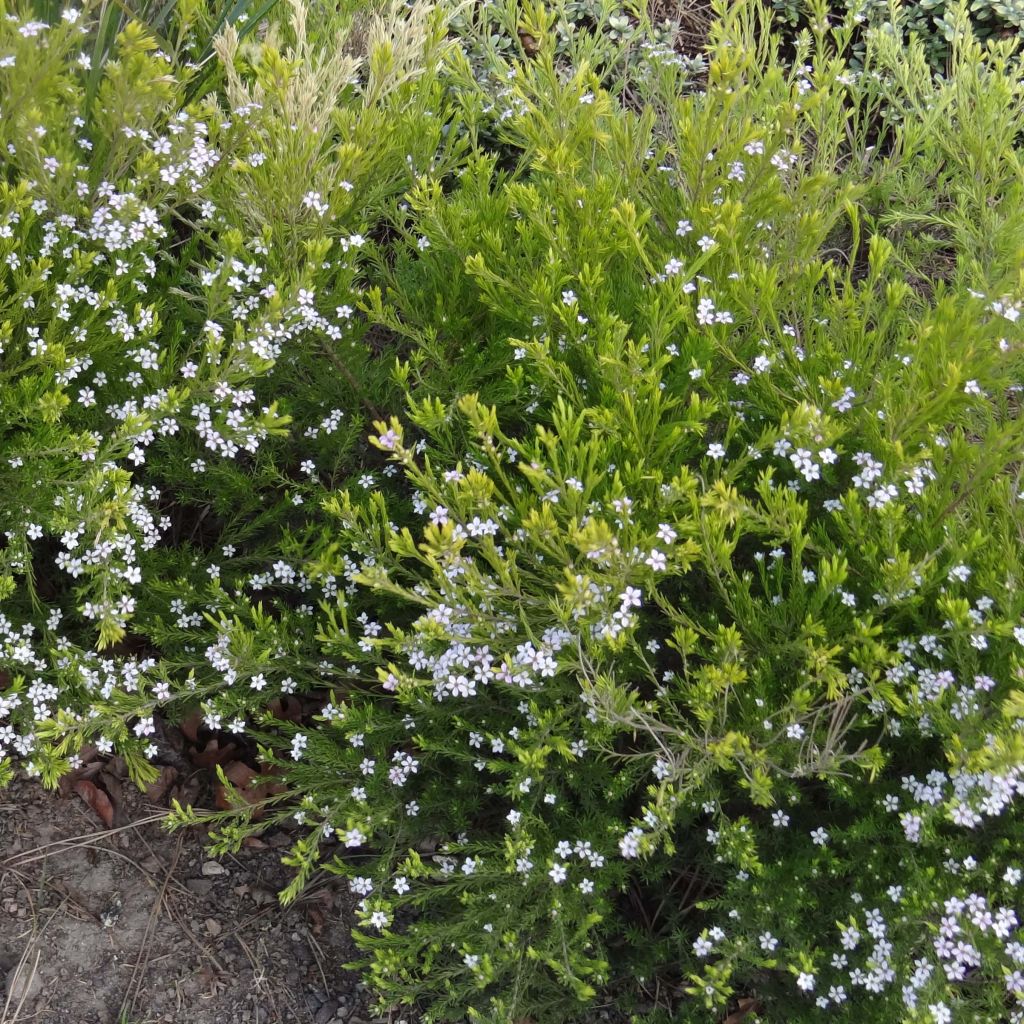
(959, 572)
(557, 873)
(657, 561)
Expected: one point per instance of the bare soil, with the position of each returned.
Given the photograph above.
(135, 925)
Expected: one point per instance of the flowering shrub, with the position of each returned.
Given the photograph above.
(664, 643)
(698, 663)
(174, 276)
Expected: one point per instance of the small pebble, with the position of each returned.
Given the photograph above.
(326, 1012)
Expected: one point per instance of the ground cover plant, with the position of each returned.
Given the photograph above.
(579, 483)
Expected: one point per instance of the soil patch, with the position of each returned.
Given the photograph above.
(134, 925)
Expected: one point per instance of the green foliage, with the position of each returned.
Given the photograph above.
(935, 24)
(662, 644)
